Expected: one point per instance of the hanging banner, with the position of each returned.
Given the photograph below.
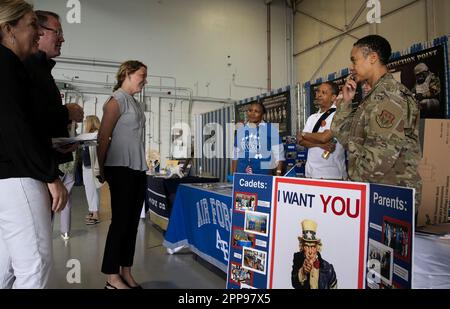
(278, 109)
(424, 73)
(340, 82)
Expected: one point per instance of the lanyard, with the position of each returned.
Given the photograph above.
(254, 141)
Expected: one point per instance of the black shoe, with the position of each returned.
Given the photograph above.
(92, 221)
(109, 286)
(137, 287)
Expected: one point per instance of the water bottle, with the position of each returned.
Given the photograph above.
(326, 154)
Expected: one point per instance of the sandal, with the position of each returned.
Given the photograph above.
(109, 286)
(92, 221)
(89, 215)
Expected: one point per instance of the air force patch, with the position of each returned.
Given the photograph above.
(385, 120)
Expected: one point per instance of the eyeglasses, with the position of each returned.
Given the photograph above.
(58, 32)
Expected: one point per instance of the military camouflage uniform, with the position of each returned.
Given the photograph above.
(382, 136)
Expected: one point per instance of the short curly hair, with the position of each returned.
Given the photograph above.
(376, 44)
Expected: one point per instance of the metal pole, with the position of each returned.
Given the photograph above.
(170, 130)
(299, 128)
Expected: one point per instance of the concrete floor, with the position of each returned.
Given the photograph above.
(153, 267)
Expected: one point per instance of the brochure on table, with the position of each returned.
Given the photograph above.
(362, 232)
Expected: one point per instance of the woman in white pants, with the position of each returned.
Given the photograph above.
(28, 170)
(90, 172)
(68, 180)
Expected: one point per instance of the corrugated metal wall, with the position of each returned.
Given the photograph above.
(212, 152)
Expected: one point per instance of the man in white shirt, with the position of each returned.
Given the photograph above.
(326, 156)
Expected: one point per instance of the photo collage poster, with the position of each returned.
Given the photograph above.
(391, 234)
(249, 239)
(278, 107)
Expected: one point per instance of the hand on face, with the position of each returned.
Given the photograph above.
(349, 90)
(362, 64)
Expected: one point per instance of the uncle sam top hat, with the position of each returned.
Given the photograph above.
(309, 228)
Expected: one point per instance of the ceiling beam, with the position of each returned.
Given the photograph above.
(351, 29)
(327, 24)
(355, 18)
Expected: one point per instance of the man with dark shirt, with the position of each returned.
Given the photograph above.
(55, 116)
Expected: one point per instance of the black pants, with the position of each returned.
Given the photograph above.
(127, 189)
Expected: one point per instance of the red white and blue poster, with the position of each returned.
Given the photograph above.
(336, 213)
(295, 233)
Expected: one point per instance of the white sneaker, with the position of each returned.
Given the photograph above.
(65, 236)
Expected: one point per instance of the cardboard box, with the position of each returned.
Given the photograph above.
(435, 172)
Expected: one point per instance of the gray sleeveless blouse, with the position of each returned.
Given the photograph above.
(127, 146)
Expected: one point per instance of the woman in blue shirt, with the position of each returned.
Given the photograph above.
(258, 146)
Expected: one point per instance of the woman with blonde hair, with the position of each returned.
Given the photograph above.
(28, 170)
(121, 156)
(90, 172)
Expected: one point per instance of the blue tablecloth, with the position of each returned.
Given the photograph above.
(201, 220)
(161, 192)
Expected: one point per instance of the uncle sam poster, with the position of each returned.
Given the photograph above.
(331, 216)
